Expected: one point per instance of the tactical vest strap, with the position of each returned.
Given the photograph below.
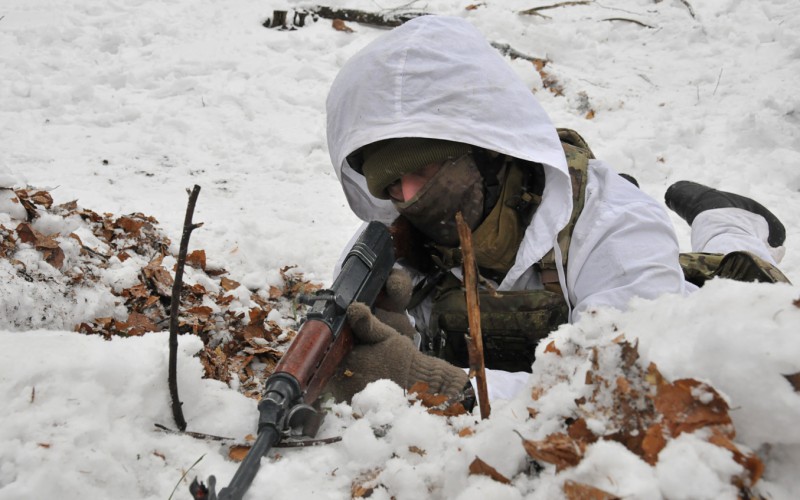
(578, 155)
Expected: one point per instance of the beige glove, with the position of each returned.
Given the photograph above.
(381, 352)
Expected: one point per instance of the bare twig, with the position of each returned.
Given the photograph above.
(188, 227)
(689, 6)
(305, 443)
(535, 10)
(718, 80)
(508, 50)
(475, 339)
(634, 21)
(196, 435)
(184, 475)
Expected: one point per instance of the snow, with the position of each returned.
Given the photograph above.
(125, 104)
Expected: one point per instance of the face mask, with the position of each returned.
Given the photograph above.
(457, 186)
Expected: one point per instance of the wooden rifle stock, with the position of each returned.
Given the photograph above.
(316, 352)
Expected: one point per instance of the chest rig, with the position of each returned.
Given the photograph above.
(512, 322)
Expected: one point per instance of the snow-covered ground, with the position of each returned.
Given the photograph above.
(123, 104)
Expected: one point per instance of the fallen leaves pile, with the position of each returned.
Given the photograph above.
(86, 249)
(637, 407)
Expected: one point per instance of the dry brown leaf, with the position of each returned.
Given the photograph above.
(365, 484)
(684, 413)
(751, 463)
(42, 198)
(796, 302)
(229, 284)
(416, 449)
(551, 347)
(27, 234)
(580, 491)
(44, 445)
(160, 455)
(201, 312)
(339, 25)
(479, 467)
(54, 256)
(159, 276)
(452, 410)
(558, 449)
(579, 431)
(466, 431)
(654, 441)
(255, 331)
(532, 412)
(138, 320)
(794, 379)
(129, 225)
(237, 452)
(474, 6)
(136, 291)
(257, 315)
(590, 115)
(197, 259)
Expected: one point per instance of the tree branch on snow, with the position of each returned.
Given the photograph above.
(689, 6)
(634, 21)
(508, 50)
(535, 11)
(188, 227)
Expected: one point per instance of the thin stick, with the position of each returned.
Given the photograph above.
(689, 6)
(188, 227)
(475, 338)
(626, 20)
(536, 10)
(718, 80)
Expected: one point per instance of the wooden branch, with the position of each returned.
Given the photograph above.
(535, 10)
(508, 50)
(389, 20)
(689, 6)
(634, 21)
(196, 435)
(188, 227)
(475, 338)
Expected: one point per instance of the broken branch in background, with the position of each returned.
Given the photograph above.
(535, 11)
(381, 19)
(689, 6)
(626, 20)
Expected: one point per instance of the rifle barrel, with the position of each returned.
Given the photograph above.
(249, 468)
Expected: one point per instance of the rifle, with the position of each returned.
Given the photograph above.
(320, 346)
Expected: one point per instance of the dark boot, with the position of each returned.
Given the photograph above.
(688, 199)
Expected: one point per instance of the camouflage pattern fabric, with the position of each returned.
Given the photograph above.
(740, 266)
(512, 323)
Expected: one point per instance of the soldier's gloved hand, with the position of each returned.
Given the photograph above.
(381, 352)
(391, 307)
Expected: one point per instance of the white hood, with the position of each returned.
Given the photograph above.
(438, 77)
